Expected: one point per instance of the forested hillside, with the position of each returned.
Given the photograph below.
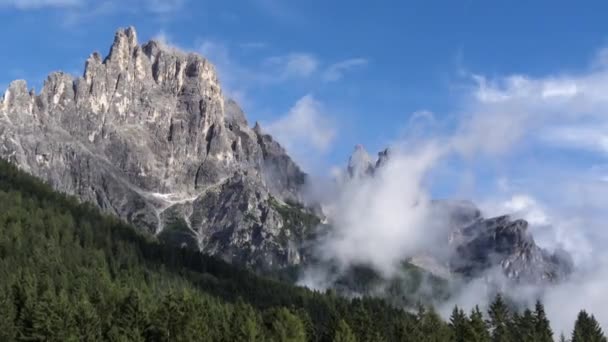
(70, 273)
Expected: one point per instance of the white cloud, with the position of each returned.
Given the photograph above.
(38, 4)
(564, 110)
(593, 138)
(383, 219)
(336, 71)
(293, 65)
(304, 128)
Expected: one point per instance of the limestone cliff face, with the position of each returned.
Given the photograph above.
(146, 134)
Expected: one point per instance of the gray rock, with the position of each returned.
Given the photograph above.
(146, 134)
(486, 243)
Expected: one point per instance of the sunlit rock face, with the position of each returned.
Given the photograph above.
(147, 135)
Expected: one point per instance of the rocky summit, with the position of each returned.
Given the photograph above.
(147, 135)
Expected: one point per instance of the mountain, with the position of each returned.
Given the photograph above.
(71, 273)
(147, 135)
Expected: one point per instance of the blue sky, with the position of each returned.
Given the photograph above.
(509, 97)
(362, 70)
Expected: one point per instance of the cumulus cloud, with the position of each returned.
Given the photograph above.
(336, 71)
(381, 220)
(304, 129)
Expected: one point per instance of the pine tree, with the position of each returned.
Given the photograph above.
(543, 332)
(433, 328)
(284, 326)
(130, 319)
(87, 322)
(344, 333)
(513, 327)
(460, 326)
(245, 324)
(587, 329)
(499, 320)
(525, 327)
(562, 338)
(8, 330)
(479, 326)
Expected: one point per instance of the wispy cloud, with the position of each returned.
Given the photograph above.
(336, 71)
(516, 108)
(76, 12)
(293, 65)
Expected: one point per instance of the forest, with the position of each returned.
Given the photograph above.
(71, 273)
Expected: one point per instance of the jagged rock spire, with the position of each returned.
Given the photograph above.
(360, 163)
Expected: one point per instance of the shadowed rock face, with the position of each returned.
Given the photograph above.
(147, 135)
(504, 242)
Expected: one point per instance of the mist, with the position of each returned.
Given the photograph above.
(382, 220)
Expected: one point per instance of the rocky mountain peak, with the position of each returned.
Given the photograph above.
(146, 134)
(123, 48)
(359, 163)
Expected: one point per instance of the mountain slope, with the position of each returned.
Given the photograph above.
(70, 273)
(146, 135)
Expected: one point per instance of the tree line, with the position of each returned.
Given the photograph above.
(70, 273)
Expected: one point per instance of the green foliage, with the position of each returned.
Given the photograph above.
(460, 326)
(500, 320)
(71, 273)
(479, 327)
(344, 333)
(587, 329)
(297, 220)
(542, 327)
(283, 325)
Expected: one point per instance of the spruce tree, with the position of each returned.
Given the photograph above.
(499, 320)
(344, 333)
(433, 328)
(245, 324)
(284, 326)
(460, 326)
(543, 332)
(587, 329)
(87, 322)
(8, 314)
(479, 326)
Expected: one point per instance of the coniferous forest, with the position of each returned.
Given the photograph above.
(71, 273)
